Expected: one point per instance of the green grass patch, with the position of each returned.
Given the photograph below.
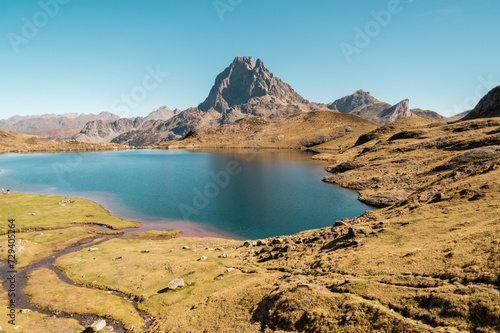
(36, 212)
(33, 246)
(47, 291)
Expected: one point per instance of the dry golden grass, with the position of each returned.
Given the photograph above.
(305, 130)
(428, 263)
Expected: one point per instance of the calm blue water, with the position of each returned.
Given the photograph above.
(251, 195)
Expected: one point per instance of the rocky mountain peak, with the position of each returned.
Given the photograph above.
(163, 113)
(399, 110)
(244, 80)
(243, 62)
(488, 106)
(354, 102)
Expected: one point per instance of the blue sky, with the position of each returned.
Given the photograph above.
(90, 56)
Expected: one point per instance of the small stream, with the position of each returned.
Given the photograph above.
(23, 300)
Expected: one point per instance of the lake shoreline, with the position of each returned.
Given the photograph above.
(164, 200)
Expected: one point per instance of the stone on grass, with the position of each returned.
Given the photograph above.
(175, 283)
(353, 231)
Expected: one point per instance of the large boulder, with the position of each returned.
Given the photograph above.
(386, 199)
(175, 283)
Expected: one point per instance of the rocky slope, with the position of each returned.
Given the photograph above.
(488, 106)
(244, 89)
(105, 131)
(302, 131)
(100, 131)
(363, 104)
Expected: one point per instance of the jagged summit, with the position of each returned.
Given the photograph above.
(399, 110)
(244, 80)
(365, 105)
(488, 106)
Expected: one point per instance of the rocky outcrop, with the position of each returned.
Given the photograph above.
(471, 156)
(363, 104)
(386, 199)
(100, 131)
(400, 110)
(488, 106)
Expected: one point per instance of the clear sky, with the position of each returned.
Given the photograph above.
(60, 56)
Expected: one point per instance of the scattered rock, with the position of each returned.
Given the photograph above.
(477, 196)
(25, 311)
(386, 199)
(380, 225)
(98, 325)
(230, 269)
(224, 255)
(353, 231)
(303, 285)
(477, 154)
(313, 239)
(287, 248)
(261, 243)
(265, 249)
(175, 283)
(277, 240)
(202, 258)
(358, 241)
(340, 224)
(185, 247)
(345, 166)
(439, 197)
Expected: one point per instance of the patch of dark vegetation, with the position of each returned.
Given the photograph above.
(345, 166)
(320, 139)
(407, 135)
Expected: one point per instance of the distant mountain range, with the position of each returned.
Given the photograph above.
(245, 89)
(47, 125)
(68, 125)
(99, 131)
(363, 104)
